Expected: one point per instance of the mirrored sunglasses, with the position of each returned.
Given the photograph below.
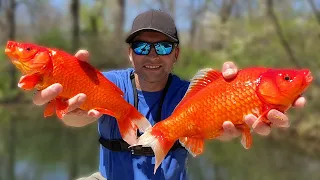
(144, 48)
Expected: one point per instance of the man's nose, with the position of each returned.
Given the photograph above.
(152, 52)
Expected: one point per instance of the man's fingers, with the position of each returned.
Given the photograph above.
(230, 129)
(229, 70)
(82, 55)
(261, 128)
(250, 119)
(94, 113)
(300, 102)
(76, 101)
(257, 125)
(278, 118)
(46, 95)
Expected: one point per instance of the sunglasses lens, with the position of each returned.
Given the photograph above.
(164, 48)
(141, 48)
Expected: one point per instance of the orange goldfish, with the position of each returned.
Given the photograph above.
(42, 67)
(212, 100)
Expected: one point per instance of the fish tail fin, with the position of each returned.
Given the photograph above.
(160, 145)
(246, 139)
(130, 122)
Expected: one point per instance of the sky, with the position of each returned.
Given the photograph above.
(133, 11)
(182, 19)
(181, 13)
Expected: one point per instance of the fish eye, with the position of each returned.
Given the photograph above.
(287, 78)
(28, 49)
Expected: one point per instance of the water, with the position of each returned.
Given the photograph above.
(47, 149)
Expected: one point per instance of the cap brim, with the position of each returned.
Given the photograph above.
(135, 33)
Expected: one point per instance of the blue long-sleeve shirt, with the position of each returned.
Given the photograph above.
(124, 165)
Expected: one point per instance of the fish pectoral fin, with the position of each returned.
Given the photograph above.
(49, 110)
(105, 111)
(263, 116)
(61, 107)
(28, 82)
(246, 139)
(195, 146)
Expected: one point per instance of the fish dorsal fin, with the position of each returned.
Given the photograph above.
(202, 79)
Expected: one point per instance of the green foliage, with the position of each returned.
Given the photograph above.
(55, 38)
(190, 61)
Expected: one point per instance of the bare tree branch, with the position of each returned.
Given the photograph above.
(168, 6)
(74, 9)
(283, 41)
(120, 19)
(172, 8)
(195, 13)
(226, 10)
(250, 9)
(2, 24)
(95, 14)
(315, 10)
(162, 5)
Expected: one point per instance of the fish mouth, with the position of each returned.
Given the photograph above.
(21, 66)
(8, 51)
(15, 61)
(10, 47)
(308, 78)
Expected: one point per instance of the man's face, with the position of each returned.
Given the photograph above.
(153, 67)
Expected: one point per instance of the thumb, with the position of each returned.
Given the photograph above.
(82, 55)
(94, 113)
(229, 70)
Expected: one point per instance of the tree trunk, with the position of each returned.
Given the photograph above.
(193, 28)
(283, 41)
(172, 8)
(119, 28)
(11, 142)
(195, 13)
(225, 13)
(119, 22)
(226, 10)
(72, 136)
(250, 10)
(74, 8)
(315, 10)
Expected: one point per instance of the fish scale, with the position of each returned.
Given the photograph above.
(44, 66)
(228, 98)
(211, 100)
(63, 73)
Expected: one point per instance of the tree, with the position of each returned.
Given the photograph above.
(71, 135)
(11, 142)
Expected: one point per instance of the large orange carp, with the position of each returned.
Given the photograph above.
(211, 100)
(42, 67)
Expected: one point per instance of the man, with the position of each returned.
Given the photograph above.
(150, 87)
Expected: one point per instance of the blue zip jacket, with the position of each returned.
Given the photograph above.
(124, 165)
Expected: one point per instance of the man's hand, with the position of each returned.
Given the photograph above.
(229, 70)
(51, 92)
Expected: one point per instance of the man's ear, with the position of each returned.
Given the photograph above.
(130, 54)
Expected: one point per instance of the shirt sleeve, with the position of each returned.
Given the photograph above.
(111, 76)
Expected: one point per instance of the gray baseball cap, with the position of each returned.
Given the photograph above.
(154, 20)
